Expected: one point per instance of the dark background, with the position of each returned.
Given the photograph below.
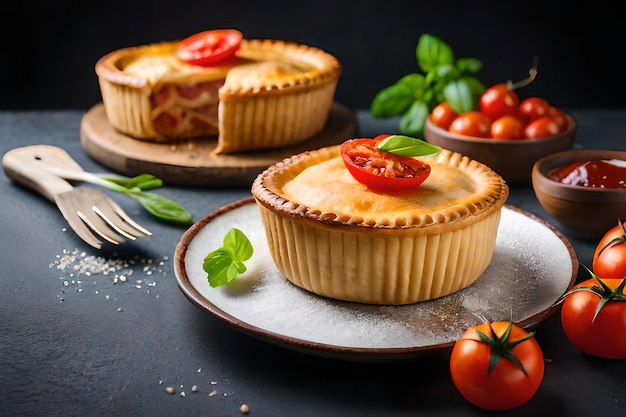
(50, 49)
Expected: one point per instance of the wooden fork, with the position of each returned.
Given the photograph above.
(90, 212)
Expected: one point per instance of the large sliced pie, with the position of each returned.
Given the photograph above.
(276, 93)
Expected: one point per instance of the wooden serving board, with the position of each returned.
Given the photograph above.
(189, 162)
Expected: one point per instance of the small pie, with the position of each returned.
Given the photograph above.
(331, 235)
(274, 93)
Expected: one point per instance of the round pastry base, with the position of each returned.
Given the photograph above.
(189, 162)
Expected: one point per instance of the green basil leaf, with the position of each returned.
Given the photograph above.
(143, 181)
(162, 207)
(432, 52)
(476, 86)
(239, 245)
(414, 81)
(219, 267)
(459, 95)
(469, 65)
(447, 72)
(392, 101)
(412, 123)
(224, 264)
(407, 146)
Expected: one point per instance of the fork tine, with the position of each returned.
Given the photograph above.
(68, 206)
(106, 218)
(83, 231)
(92, 213)
(119, 220)
(99, 226)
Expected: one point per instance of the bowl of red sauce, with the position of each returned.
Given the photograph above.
(584, 190)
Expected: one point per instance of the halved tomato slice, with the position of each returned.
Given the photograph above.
(382, 171)
(209, 47)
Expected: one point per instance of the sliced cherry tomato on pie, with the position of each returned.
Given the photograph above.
(382, 171)
(209, 47)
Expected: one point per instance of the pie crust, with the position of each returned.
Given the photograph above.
(330, 235)
(278, 93)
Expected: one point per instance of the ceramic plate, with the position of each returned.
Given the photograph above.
(532, 266)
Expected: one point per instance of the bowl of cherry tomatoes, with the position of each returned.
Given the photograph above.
(506, 133)
(584, 190)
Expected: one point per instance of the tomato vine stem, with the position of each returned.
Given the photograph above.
(619, 239)
(502, 347)
(603, 291)
(532, 74)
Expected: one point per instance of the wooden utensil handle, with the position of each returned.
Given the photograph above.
(35, 166)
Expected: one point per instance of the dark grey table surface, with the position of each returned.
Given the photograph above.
(79, 344)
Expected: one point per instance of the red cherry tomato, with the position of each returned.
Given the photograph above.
(559, 117)
(532, 108)
(609, 260)
(442, 115)
(498, 101)
(507, 127)
(543, 127)
(382, 171)
(598, 333)
(471, 123)
(209, 47)
(507, 384)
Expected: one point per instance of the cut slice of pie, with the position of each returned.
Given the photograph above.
(271, 94)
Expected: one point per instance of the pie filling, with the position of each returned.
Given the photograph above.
(192, 109)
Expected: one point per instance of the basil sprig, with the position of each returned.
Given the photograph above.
(224, 264)
(407, 146)
(444, 78)
(160, 207)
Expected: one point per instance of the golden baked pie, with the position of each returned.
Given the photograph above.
(272, 93)
(331, 235)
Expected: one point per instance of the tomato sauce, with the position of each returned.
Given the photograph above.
(596, 173)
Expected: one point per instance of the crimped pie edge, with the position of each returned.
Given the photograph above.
(489, 198)
(326, 67)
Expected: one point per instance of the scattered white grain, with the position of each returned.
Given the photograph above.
(77, 266)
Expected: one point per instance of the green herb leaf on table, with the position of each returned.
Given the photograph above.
(162, 207)
(224, 264)
(155, 204)
(144, 181)
(407, 146)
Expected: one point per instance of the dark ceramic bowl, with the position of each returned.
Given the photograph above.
(512, 159)
(584, 211)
